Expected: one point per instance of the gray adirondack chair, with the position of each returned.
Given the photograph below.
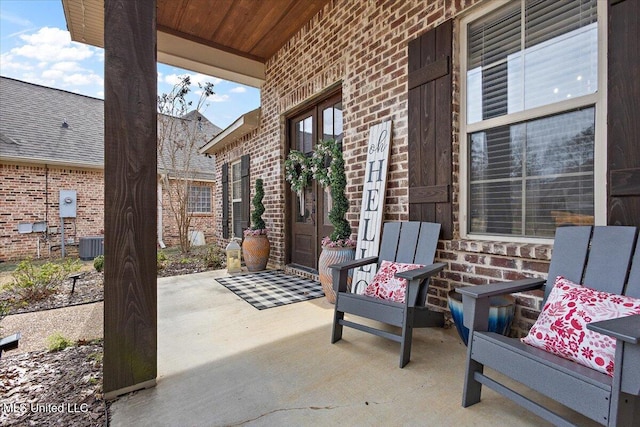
(407, 242)
(605, 258)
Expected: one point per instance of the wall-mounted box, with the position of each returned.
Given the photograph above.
(68, 203)
(25, 227)
(40, 227)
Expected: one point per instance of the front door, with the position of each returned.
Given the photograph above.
(310, 219)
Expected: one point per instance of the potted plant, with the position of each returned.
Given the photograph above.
(338, 247)
(256, 246)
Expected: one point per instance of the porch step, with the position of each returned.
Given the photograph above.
(298, 270)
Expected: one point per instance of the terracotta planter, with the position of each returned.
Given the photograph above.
(330, 256)
(255, 250)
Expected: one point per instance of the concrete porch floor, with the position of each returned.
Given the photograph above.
(221, 362)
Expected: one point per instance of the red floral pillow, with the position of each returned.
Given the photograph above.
(562, 326)
(385, 285)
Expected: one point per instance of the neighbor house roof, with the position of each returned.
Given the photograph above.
(173, 159)
(32, 124)
(43, 125)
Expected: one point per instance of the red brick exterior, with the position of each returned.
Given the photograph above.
(205, 222)
(30, 193)
(362, 47)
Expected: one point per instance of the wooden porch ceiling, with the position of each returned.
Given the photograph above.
(230, 39)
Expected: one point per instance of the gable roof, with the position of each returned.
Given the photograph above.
(173, 160)
(32, 128)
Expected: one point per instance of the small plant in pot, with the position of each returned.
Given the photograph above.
(256, 246)
(338, 247)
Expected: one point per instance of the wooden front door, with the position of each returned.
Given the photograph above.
(310, 223)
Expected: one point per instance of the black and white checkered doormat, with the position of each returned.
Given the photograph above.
(268, 289)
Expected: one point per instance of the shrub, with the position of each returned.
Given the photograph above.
(5, 307)
(214, 258)
(98, 263)
(57, 342)
(258, 207)
(341, 227)
(161, 259)
(33, 283)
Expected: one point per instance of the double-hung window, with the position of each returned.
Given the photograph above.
(530, 115)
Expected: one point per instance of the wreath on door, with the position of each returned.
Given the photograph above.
(321, 168)
(298, 174)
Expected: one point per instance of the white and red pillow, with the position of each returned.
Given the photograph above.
(385, 285)
(561, 327)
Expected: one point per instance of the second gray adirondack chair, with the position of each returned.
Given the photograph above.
(405, 242)
(604, 258)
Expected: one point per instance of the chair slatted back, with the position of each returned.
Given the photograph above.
(389, 242)
(610, 258)
(633, 284)
(409, 242)
(597, 257)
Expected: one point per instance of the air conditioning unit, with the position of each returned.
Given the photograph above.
(90, 247)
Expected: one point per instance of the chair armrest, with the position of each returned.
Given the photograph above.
(493, 289)
(415, 278)
(340, 272)
(476, 300)
(422, 273)
(348, 265)
(623, 328)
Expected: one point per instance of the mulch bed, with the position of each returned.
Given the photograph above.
(62, 388)
(89, 288)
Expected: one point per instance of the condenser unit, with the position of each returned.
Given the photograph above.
(90, 247)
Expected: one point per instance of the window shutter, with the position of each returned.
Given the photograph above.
(225, 200)
(430, 128)
(623, 132)
(246, 191)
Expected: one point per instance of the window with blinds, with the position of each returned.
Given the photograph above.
(531, 79)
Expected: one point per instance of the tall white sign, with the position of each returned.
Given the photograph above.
(373, 196)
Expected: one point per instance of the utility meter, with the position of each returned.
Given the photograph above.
(68, 203)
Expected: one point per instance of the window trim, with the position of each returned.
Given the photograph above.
(598, 100)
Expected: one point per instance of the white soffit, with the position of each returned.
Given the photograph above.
(183, 53)
(242, 126)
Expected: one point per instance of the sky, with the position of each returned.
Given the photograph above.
(36, 47)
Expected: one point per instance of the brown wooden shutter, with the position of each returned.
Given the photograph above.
(430, 127)
(225, 200)
(623, 110)
(245, 184)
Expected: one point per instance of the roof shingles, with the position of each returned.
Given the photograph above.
(32, 128)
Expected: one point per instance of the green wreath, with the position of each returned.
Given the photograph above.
(322, 172)
(297, 170)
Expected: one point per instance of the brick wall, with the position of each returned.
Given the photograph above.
(30, 193)
(204, 222)
(362, 47)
